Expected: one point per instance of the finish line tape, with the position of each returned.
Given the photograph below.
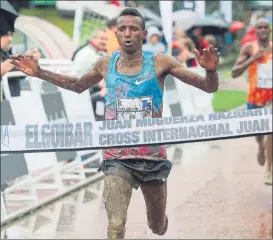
(127, 133)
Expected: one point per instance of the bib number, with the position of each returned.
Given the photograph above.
(134, 108)
(265, 75)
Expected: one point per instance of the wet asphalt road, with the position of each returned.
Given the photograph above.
(215, 192)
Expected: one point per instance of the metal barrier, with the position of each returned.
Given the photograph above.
(59, 178)
(57, 65)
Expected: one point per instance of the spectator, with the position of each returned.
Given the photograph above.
(112, 44)
(86, 56)
(153, 41)
(210, 39)
(6, 36)
(84, 60)
(6, 66)
(179, 35)
(186, 54)
(197, 38)
(6, 39)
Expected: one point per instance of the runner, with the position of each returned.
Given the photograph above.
(134, 82)
(256, 58)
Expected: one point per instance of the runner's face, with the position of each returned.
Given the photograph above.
(130, 34)
(262, 31)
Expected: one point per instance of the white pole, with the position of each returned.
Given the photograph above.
(226, 9)
(166, 10)
(200, 8)
(78, 25)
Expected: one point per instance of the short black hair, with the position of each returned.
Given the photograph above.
(133, 12)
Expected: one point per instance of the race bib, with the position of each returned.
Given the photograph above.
(134, 108)
(265, 75)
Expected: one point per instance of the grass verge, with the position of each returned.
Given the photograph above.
(226, 100)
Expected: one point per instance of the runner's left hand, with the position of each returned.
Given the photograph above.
(209, 59)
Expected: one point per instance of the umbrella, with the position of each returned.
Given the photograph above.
(211, 25)
(147, 14)
(185, 19)
(8, 16)
(236, 26)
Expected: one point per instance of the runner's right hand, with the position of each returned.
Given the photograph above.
(26, 63)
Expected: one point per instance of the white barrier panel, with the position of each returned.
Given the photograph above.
(137, 132)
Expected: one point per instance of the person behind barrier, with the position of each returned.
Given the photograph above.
(197, 37)
(178, 38)
(186, 54)
(84, 59)
(86, 56)
(256, 58)
(153, 44)
(112, 44)
(6, 37)
(210, 39)
(135, 84)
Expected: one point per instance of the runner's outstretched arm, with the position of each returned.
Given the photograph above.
(30, 66)
(208, 60)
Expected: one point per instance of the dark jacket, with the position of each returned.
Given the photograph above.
(14, 84)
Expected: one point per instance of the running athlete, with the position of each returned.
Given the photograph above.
(134, 82)
(256, 58)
